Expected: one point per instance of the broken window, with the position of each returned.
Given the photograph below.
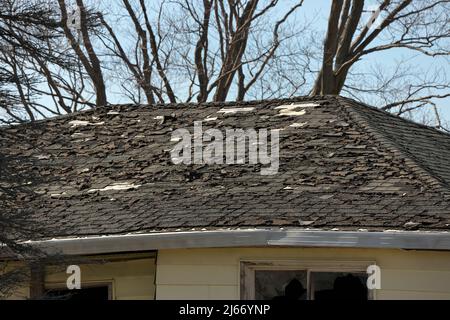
(267, 281)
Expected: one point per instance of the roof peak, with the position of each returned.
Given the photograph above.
(256, 103)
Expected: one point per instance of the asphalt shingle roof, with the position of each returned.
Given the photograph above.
(342, 165)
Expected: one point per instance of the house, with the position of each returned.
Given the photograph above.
(354, 188)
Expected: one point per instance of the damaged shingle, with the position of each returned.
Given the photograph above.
(342, 165)
(117, 186)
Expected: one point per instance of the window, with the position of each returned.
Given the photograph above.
(94, 292)
(293, 280)
(338, 286)
(275, 284)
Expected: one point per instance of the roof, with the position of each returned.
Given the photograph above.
(343, 166)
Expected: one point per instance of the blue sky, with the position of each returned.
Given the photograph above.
(389, 58)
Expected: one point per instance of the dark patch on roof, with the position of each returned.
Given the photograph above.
(345, 166)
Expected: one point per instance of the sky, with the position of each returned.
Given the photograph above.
(389, 58)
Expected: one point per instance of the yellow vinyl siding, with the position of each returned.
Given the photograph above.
(198, 274)
(411, 295)
(133, 279)
(215, 274)
(21, 293)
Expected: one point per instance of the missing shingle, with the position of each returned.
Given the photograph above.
(291, 112)
(117, 186)
(235, 110)
(298, 124)
(83, 123)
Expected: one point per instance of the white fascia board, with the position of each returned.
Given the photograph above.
(247, 238)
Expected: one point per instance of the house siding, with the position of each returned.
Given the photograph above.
(129, 279)
(132, 279)
(215, 273)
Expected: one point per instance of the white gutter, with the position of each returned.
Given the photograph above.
(247, 238)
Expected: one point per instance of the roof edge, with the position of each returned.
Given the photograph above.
(423, 172)
(413, 240)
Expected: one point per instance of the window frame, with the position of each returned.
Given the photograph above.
(248, 268)
(85, 284)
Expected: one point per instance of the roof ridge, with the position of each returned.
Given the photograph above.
(387, 113)
(172, 105)
(423, 172)
(256, 102)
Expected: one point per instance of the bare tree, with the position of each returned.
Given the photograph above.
(23, 264)
(36, 64)
(16, 224)
(216, 47)
(215, 50)
(147, 47)
(88, 56)
(420, 26)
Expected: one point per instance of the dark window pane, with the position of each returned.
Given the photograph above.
(280, 285)
(339, 286)
(90, 293)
